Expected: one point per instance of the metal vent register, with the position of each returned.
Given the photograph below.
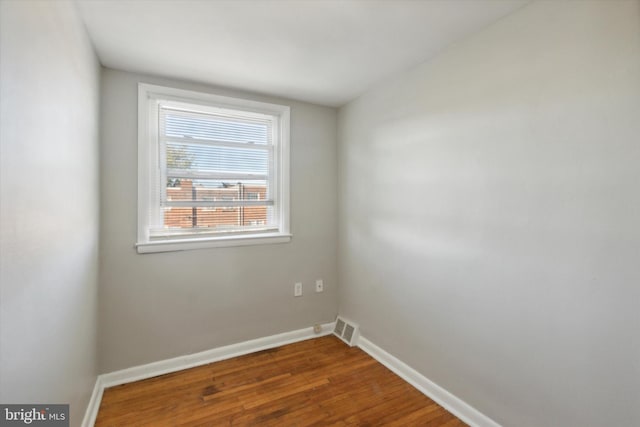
(347, 331)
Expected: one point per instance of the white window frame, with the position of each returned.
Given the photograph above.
(149, 176)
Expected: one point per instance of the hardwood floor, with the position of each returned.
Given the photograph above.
(316, 382)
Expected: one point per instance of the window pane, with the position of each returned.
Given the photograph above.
(219, 219)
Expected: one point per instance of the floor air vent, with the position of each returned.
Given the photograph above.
(346, 331)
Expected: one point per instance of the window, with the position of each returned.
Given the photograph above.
(212, 171)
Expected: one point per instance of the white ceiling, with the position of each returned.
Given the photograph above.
(323, 51)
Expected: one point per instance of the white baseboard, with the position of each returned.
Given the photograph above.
(162, 367)
(451, 403)
(91, 413)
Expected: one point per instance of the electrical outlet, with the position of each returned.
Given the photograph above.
(297, 289)
(319, 285)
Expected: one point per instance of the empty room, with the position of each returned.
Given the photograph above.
(320, 213)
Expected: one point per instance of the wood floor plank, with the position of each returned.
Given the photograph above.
(212, 392)
(317, 382)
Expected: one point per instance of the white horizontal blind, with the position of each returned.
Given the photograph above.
(216, 172)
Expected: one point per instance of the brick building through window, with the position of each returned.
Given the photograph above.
(218, 217)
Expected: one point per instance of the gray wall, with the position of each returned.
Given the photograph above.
(156, 306)
(489, 216)
(49, 87)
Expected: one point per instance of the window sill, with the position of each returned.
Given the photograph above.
(215, 242)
